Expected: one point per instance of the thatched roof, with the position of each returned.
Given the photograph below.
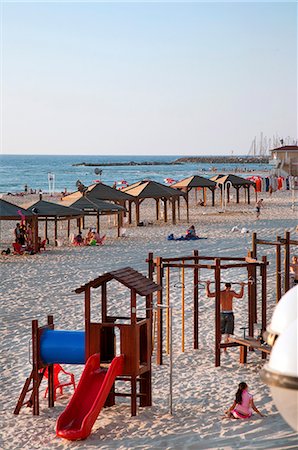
(100, 191)
(49, 209)
(234, 180)
(9, 211)
(152, 189)
(194, 182)
(126, 276)
(87, 204)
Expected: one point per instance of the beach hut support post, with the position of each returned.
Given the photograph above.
(213, 197)
(187, 205)
(237, 194)
(137, 211)
(165, 210)
(46, 229)
(173, 211)
(157, 208)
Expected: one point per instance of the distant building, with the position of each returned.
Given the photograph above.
(285, 160)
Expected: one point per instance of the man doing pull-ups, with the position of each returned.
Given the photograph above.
(226, 307)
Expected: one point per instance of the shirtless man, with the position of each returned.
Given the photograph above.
(294, 270)
(226, 307)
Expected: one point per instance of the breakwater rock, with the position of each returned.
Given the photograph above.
(224, 159)
(129, 163)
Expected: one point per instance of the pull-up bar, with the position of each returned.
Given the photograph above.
(162, 269)
(279, 243)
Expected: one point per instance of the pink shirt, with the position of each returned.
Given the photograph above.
(245, 407)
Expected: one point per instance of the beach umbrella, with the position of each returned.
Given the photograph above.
(10, 211)
(95, 207)
(195, 182)
(49, 211)
(152, 189)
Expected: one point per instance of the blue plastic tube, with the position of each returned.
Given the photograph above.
(62, 346)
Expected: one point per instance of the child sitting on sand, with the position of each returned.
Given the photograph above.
(191, 232)
(243, 404)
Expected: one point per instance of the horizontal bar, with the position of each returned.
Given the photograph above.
(248, 264)
(189, 258)
(190, 266)
(261, 242)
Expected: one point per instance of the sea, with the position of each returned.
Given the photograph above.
(34, 171)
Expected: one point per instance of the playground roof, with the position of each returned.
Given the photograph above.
(87, 204)
(193, 182)
(49, 209)
(100, 191)
(126, 276)
(9, 211)
(152, 189)
(235, 180)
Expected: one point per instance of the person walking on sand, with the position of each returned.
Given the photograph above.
(226, 306)
(259, 205)
(243, 404)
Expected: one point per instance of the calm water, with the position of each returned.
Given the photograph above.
(16, 171)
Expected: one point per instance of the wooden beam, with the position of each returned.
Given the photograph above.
(287, 261)
(278, 271)
(87, 322)
(159, 346)
(196, 305)
(217, 312)
(51, 387)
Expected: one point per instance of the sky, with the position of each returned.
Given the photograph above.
(146, 77)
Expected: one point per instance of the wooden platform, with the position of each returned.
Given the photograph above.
(249, 342)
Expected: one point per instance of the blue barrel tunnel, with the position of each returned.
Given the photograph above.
(62, 347)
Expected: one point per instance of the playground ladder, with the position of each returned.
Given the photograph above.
(26, 388)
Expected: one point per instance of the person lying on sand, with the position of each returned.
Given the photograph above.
(243, 404)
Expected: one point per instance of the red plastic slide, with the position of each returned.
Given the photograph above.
(78, 418)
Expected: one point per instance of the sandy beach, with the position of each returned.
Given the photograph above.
(38, 285)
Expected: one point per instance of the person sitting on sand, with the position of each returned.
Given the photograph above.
(226, 306)
(78, 240)
(243, 404)
(191, 232)
(89, 236)
(294, 270)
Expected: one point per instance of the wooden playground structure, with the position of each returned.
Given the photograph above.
(279, 243)
(162, 266)
(50, 346)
